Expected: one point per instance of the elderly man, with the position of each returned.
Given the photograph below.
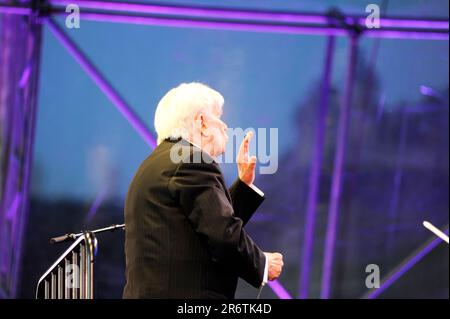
(184, 228)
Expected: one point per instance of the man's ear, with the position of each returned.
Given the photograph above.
(203, 124)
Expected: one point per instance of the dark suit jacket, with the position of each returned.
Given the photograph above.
(184, 229)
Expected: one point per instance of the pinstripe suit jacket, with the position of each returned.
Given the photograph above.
(184, 233)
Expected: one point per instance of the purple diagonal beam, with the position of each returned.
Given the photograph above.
(405, 267)
(102, 83)
(279, 290)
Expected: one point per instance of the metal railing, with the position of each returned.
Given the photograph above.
(72, 275)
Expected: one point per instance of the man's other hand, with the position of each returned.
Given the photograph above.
(275, 265)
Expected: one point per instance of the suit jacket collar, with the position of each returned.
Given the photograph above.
(186, 142)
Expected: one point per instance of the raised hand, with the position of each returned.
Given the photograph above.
(246, 165)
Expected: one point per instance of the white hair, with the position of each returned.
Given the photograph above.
(175, 112)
